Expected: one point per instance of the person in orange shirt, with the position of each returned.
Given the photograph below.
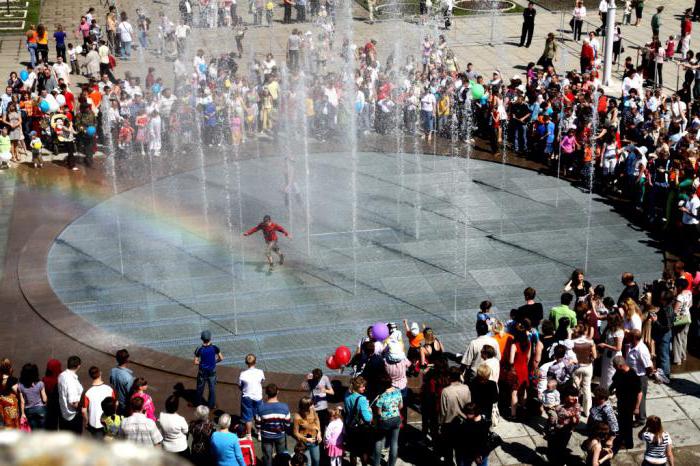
(415, 340)
(31, 45)
(42, 41)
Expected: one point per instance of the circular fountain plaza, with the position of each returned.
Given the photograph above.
(375, 236)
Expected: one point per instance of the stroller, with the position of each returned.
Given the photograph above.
(59, 137)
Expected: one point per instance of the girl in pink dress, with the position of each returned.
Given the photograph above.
(334, 437)
(138, 390)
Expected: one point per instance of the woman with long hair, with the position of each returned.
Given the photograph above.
(658, 449)
(578, 285)
(50, 379)
(520, 350)
(681, 310)
(306, 429)
(611, 347)
(13, 119)
(138, 390)
(33, 396)
(42, 43)
(30, 36)
(431, 350)
(434, 381)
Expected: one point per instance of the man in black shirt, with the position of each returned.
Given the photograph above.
(627, 385)
(631, 289)
(528, 25)
(530, 310)
(521, 114)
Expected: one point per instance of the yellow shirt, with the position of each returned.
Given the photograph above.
(43, 40)
(443, 107)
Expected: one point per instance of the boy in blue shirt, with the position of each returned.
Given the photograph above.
(206, 357)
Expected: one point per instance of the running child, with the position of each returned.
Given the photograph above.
(270, 230)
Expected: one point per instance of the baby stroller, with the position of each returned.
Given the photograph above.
(60, 138)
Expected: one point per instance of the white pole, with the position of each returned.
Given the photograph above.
(609, 33)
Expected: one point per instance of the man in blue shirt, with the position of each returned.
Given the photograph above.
(206, 357)
(121, 378)
(272, 422)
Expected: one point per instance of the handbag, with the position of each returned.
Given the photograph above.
(24, 425)
(681, 319)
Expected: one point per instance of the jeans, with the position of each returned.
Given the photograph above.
(206, 376)
(143, 39)
(388, 430)
(520, 137)
(126, 52)
(313, 454)
(279, 445)
(32, 54)
(663, 352)
(36, 416)
(61, 52)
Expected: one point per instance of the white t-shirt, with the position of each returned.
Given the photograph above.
(427, 102)
(174, 428)
(692, 205)
(93, 403)
(251, 383)
(125, 31)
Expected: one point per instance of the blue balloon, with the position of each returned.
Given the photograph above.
(91, 130)
(44, 106)
(202, 68)
(23, 75)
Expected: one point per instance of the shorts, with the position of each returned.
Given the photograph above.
(5, 156)
(270, 247)
(249, 408)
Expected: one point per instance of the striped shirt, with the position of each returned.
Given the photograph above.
(272, 420)
(656, 451)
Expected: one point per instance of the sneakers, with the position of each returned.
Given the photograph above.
(281, 259)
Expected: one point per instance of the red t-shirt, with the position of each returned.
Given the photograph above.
(269, 231)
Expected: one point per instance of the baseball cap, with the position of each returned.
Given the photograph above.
(415, 330)
(206, 335)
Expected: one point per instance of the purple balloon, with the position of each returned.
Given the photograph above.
(380, 331)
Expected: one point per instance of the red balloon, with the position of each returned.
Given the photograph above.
(343, 355)
(331, 363)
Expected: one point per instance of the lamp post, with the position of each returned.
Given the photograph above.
(609, 33)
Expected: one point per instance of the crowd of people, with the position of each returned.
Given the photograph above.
(534, 365)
